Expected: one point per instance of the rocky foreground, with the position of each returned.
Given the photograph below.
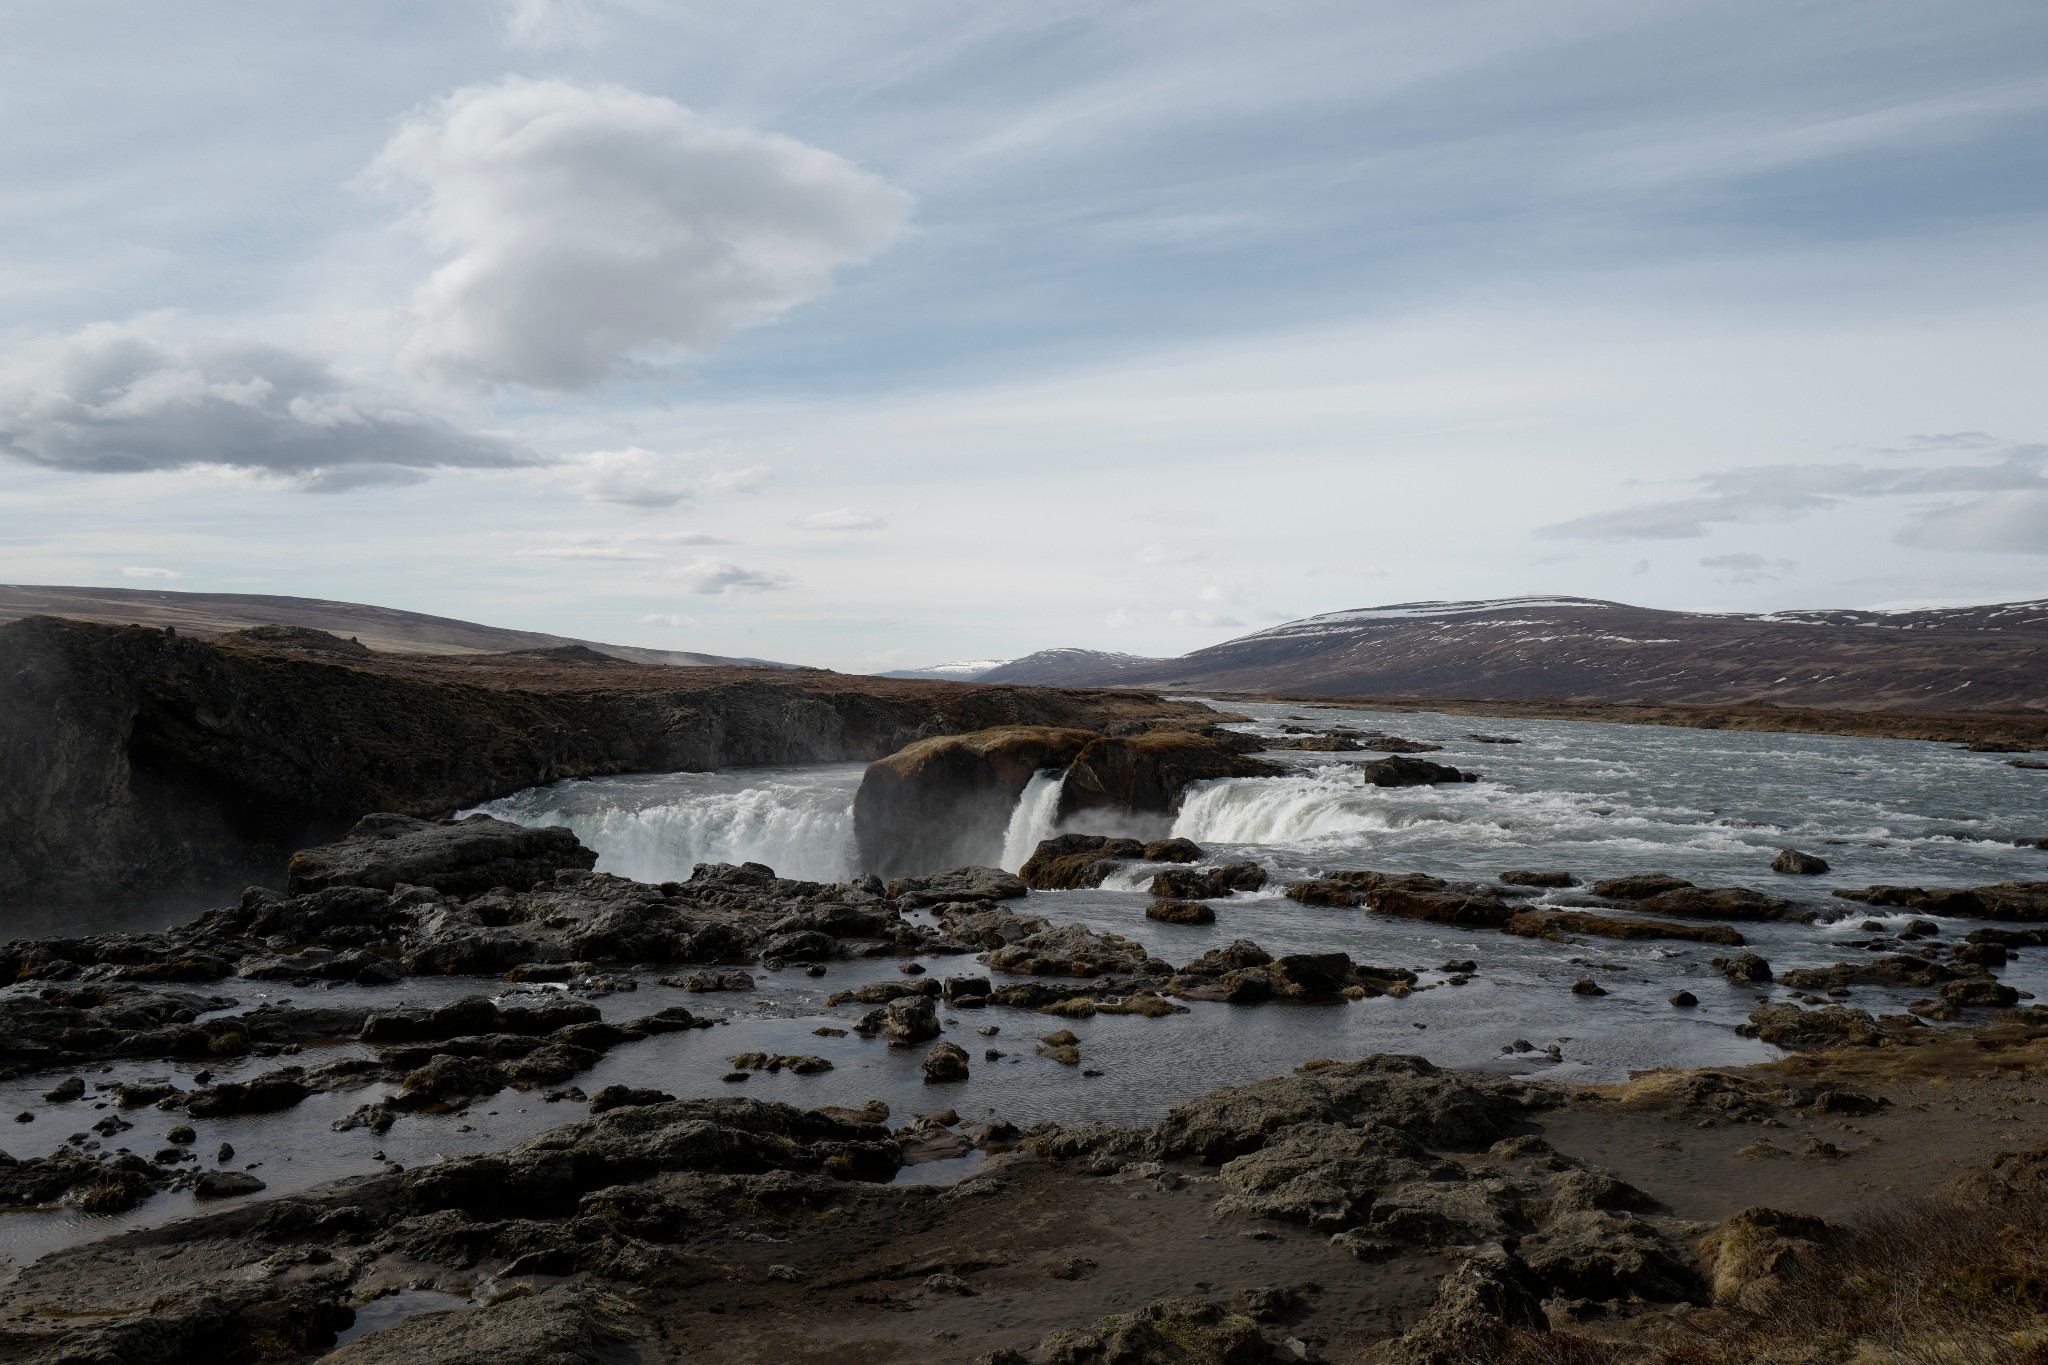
(1377, 1209)
(1373, 1210)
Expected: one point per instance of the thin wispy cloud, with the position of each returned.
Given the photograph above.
(1770, 493)
(716, 577)
(1747, 567)
(841, 519)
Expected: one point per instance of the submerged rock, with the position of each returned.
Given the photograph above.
(1525, 877)
(1400, 771)
(1561, 923)
(1208, 883)
(1068, 862)
(1794, 863)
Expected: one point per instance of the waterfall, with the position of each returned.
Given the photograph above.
(1281, 810)
(1031, 822)
(800, 831)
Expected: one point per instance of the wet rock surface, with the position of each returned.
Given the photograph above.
(2026, 902)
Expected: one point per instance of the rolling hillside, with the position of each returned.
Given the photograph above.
(1581, 650)
(384, 629)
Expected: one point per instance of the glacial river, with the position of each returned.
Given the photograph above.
(1593, 799)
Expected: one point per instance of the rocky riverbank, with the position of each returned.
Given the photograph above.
(137, 765)
(1372, 1210)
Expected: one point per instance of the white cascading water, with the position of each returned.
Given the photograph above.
(1279, 810)
(804, 832)
(1032, 821)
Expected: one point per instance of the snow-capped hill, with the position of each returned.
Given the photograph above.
(967, 670)
(1584, 649)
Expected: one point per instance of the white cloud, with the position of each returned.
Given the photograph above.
(713, 577)
(553, 23)
(2015, 522)
(1205, 619)
(113, 398)
(593, 230)
(139, 571)
(1350, 570)
(669, 618)
(1217, 588)
(637, 477)
(1121, 619)
(642, 546)
(591, 551)
(736, 480)
(1766, 493)
(1749, 568)
(841, 519)
(1180, 552)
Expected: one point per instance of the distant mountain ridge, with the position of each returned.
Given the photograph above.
(384, 629)
(1580, 649)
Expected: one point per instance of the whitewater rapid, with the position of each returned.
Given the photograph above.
(1595, 799)
(657, 827)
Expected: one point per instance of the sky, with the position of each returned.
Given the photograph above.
(875, 336)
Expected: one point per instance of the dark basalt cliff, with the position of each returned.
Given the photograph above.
(137, 765)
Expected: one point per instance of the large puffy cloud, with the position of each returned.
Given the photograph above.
(113, 398)
(595, 229)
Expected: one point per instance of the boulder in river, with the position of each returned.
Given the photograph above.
(945, 802)
(945, 1062)
(469, 856)
(1639, 886)
(1072, 950)
(1208, 883)
(1792, 862)
(1401, 771)
(1525, 877)
(1180, 912)
(1725, 902)
(2025, 902)
(1744, 969)
(1069, 862)
(1146, 774)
